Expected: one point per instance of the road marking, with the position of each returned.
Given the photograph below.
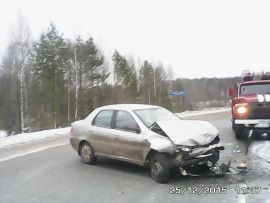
(32, 151)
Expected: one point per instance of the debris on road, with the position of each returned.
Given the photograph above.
(215, 170)
(242, 165)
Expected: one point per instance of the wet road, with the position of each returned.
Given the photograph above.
(57, 175)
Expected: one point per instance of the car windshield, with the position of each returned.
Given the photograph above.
(255, 89)
(149, 116)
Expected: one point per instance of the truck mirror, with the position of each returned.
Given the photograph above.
(232, 92)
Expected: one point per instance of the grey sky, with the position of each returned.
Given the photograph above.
(197, 38)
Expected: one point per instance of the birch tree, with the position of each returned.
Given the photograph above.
(16, 67)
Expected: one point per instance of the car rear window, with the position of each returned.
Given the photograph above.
(103, 119)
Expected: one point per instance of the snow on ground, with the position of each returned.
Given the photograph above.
(261, 149)
(3, 133)
(203, 112)
(29, 137)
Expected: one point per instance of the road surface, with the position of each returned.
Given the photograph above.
(57, 175)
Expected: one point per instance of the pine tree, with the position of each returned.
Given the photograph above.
(147, 82)
(91, 73)
(51, 61)
(126, 77)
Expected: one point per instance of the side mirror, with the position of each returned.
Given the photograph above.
(138, 130)
(232, 92)
(135, 129)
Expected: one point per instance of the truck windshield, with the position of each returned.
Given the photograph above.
(255, 89)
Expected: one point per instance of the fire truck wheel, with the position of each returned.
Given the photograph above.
(238, 129)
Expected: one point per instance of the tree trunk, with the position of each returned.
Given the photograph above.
(21, 100)
(68, 118)
(76, 82)
(155, 90)
(149, 94)
(54, 102)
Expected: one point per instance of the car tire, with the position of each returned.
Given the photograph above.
(159, 168)
(238, 131)
(87, 153)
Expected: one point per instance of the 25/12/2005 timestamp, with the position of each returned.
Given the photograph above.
(197, 190)
(212, 190)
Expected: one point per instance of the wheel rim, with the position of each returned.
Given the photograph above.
(86, 152)
(156, 168)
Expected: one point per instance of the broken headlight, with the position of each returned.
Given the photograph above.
(183, 152)
(186, 149)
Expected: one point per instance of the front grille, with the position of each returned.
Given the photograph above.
(259, 111)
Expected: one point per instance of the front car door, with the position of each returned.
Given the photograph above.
(101, 135)
(128, 138)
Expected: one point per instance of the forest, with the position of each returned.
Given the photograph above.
(53, 81)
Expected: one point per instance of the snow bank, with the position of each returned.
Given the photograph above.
(28, 137)
(203, 112)
(261, 149)
(3, 133)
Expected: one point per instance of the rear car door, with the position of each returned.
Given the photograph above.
(128, 138)
(101, 133)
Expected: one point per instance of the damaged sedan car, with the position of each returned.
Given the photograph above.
(146, 135)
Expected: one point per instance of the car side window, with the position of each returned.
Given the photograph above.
(124, 121)
(103, 119)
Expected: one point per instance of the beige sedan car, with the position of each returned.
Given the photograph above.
(148, 136)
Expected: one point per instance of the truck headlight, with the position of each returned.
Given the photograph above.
(242, 109)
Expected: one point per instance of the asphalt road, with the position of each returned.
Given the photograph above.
(58, 175)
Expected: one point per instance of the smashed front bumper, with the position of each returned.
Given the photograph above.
(199, 156)
(195, 162)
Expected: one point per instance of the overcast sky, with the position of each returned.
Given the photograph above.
(197, 38)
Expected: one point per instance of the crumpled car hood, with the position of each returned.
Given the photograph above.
(189, 132)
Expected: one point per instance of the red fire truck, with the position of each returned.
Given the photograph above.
(250, 104)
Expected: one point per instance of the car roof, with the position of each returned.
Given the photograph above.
(128, 106)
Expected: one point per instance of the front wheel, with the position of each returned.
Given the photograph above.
(160, 170)
(238, 131)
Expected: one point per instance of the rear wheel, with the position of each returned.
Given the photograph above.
(87, 153)
(160, 170)
(238, 131)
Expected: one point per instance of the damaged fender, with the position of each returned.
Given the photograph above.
(160, 144)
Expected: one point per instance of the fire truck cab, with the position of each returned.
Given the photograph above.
(250, 104)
